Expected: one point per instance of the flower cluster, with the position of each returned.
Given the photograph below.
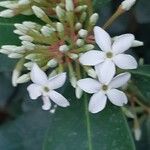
(66, 45)
(25, 7)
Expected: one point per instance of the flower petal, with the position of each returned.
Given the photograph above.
(97, 69)
(58, 99)
(120, 80)
(34, 91)
(89, 85)
(106, 72)
(46, 103)
(117, 97)
(97, 102)
(102, 39)
(92, 58)
(123, 43)
(125, 61)
(38, 76)
(57, 81)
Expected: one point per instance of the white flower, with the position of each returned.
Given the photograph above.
(42, 86)
(112, 53)
(103, 89)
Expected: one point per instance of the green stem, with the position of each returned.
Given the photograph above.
(88, 122)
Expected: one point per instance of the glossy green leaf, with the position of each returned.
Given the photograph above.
(6, 89)
(141, 78)
(98, 4)
(25, 133)
(75, 128)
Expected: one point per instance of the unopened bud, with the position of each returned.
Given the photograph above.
(83, 33)
(38, 12)
(21, 27)
(15, 55)
(93, 19)
(52, 63)
(127, 4)
(69, 5)
(73, 81)
(137, 134)
(81, 8)
(78, 26)
(60, 27)
(78, 92)
(88, 47)
(24, 78)
(29, 24)
(60, 12)
(63, 48)
(80, 42)
(91, 72)
(73, 56)
(28, 45)
(46, 31)
(26, 38)
(8, 13)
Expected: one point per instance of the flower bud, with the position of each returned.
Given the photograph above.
(28, 45)
(83, 33)
(60, 13)
(24, 2)
(93, 19)
(80, 42)
(69, 5)
(21, 27)
(15, 55)
(78, 92)
(81, 8)
(73, 56)
(38, 12)
(137, 134)
(88, 47)
(78, 26)
(60, 27)
(8, 13)
(26, 38)
(127, 4)
(29, 24)
(46, 31)
(63, 48)
(52, 63)
(91, 72)
(18, 32)
(24, 78)
(17, 72)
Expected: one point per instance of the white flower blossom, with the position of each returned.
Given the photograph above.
(42, 86)
(104, 88)
(112, 53)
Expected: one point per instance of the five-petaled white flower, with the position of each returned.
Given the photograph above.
(42, 86)
(104, 88)
(112, 53)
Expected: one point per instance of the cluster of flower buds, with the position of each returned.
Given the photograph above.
(66, 45)
(56, 45)
(25, 7)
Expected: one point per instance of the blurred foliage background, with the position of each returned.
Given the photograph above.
(23, 124)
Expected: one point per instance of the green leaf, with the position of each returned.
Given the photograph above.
(98, 4)
(25, 133)
(75, 128)
(6, 89)
(141, 78)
